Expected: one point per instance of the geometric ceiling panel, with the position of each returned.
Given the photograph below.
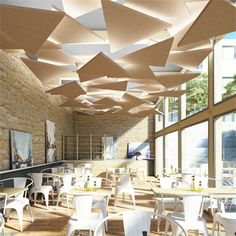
(120, 86)
(70, 30)
(56, 56)
(139, 71)
(129, 101)
(77, 8)
(50, 45)
(205, 43)
(172, 93)
(149, 87)
(126, 26)
(145, 113)
(189, 59)
(73, 103)
(70, 90)
(100, 66)
(166, 10)
(154, 55)
(105, 103)
(28, 28)
(173, 80)
(217, 18)
(45, 71)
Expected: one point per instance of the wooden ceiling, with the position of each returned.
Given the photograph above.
(115, 75)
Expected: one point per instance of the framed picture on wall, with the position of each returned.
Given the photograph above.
(20, 149)
(139, 150)
(50, 142)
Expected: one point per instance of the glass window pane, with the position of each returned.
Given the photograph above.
(171, 152)
(159, 155)
(195, 148)
(159, 119)
(172, 112)
(225, 148)
(225, 67)
(196, 98)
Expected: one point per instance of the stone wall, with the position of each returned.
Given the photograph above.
(25, 106)
(125, 128)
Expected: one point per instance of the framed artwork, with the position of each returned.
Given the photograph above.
(139, 150)
(51, 150)
(109, 145)
(21, 149)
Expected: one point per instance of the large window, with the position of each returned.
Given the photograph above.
(196, 97)
(225, 67)
(159, 155)
(171, 152)
(195, 148)
(159, 119)
(171, 105)
(225, 148)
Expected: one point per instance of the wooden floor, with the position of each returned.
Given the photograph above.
(53, 221)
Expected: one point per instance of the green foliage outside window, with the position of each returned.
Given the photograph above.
(197, 94)
(230, 89)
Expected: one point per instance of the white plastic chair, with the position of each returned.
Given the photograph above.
(228, 220)
(84, 218)
(63, 191)
(67, 186)
(19, 202)
(3, 200)
(38, 187)
(102, 201)
(139, 222)
(190, 218)
(125, 186)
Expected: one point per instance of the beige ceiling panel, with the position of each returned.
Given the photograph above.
(120, 86)
(122, 113)
(105, 103)
(172, 93)
(167, 10)
(206, 43)
(71, 31)
(172, 80)
(70, 90)
(29, 27)
(45, 71)
(101, 80)
(131, 27)
(148, 82)
(7, 42)
(129, 101)
(155, 55)
(189, 59)
(139, 71)
(50, 45)
(77, 8)
(56, 56)
(148, 88)
(217, 18)
(101, 66)
(73, 103)
(147, 113)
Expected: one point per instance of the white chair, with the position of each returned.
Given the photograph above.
(19, 202)
(101, 202)
(125, 186)
(38, 187)
(3, 200)
(228, 220)
(190, 218)
(63, 191)
(139, 222)
(84, 218)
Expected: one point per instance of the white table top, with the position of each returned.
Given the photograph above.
(180, 192)
(97, 191)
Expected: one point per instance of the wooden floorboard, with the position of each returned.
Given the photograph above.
(53, 222)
